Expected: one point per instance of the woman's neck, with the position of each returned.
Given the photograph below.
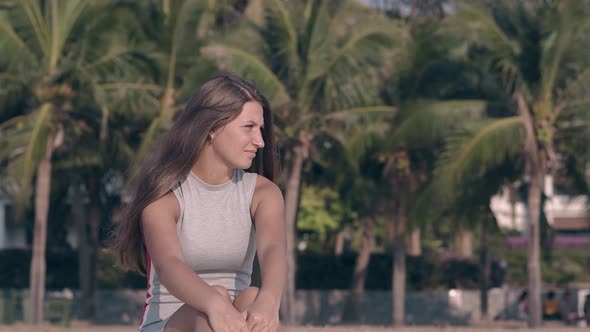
(210, 170)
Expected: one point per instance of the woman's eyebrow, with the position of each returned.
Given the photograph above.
(254, 122)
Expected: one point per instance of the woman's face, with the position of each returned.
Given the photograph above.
(236, 143)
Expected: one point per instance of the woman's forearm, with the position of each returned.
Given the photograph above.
(188, 287)
(273, 270)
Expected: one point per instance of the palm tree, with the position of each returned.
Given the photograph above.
(316, 61)
(534, 49)
(93, 165)
(468, 202)
(168, 27)
(430, 107)
(355, 153)
(53, 50)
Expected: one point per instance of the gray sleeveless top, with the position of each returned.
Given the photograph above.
(216, 235)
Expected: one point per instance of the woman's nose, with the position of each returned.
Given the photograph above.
(258, 141)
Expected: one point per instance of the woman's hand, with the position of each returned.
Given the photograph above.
(263, 315)
(223, 317)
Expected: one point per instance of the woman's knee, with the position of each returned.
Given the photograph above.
(187, 319)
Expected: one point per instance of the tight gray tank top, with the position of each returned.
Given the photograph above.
(216, 235)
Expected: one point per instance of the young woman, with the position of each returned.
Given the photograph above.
(205, 204)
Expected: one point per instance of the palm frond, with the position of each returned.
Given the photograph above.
(115, 51)
(12, 122)
(23, 147)
(581, 106)
(345, 119)
(280, 33)
(124, 86)
(347, 75)
(425, 123)
(79, 160)
(361, 48)
(353, 115)
(433, 201)
(360, 140)
(554, 47)
(185, 15)
(38, 24)
(250, 67)
(37, 143)
(146, 142)
(474, 167)
(480, 27)
(486, 147)
(15, 51)
(315, 35)
(64, 16)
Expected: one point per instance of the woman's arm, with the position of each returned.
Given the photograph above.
(159, 231)
(271, 243)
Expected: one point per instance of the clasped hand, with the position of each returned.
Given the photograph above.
(225, 318)
(262, 317)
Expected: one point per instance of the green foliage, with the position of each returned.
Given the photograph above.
(47, 51)
(566, 266)
(308, 58)
(321, 211)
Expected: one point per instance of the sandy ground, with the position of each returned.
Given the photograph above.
(81, 327)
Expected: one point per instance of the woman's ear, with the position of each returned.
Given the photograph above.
(214, 132)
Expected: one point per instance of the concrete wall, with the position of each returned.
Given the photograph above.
(422, 308)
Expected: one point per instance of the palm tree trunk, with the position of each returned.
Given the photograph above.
(535, 170)
(38, 267)
(83, 250)
(339, 246)
(399, 277)
(484, 264)
(413, 247)
(95, 216)
(399, 256)
(533, 245)
(353, 305)
(464, 244)
(88, 249)
(299, 154)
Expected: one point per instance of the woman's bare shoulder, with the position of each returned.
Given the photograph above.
(165, 207)
(264, 187)
(267, 193)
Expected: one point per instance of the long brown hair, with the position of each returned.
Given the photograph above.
(215, 103)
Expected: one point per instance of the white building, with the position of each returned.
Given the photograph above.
(564, 212)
